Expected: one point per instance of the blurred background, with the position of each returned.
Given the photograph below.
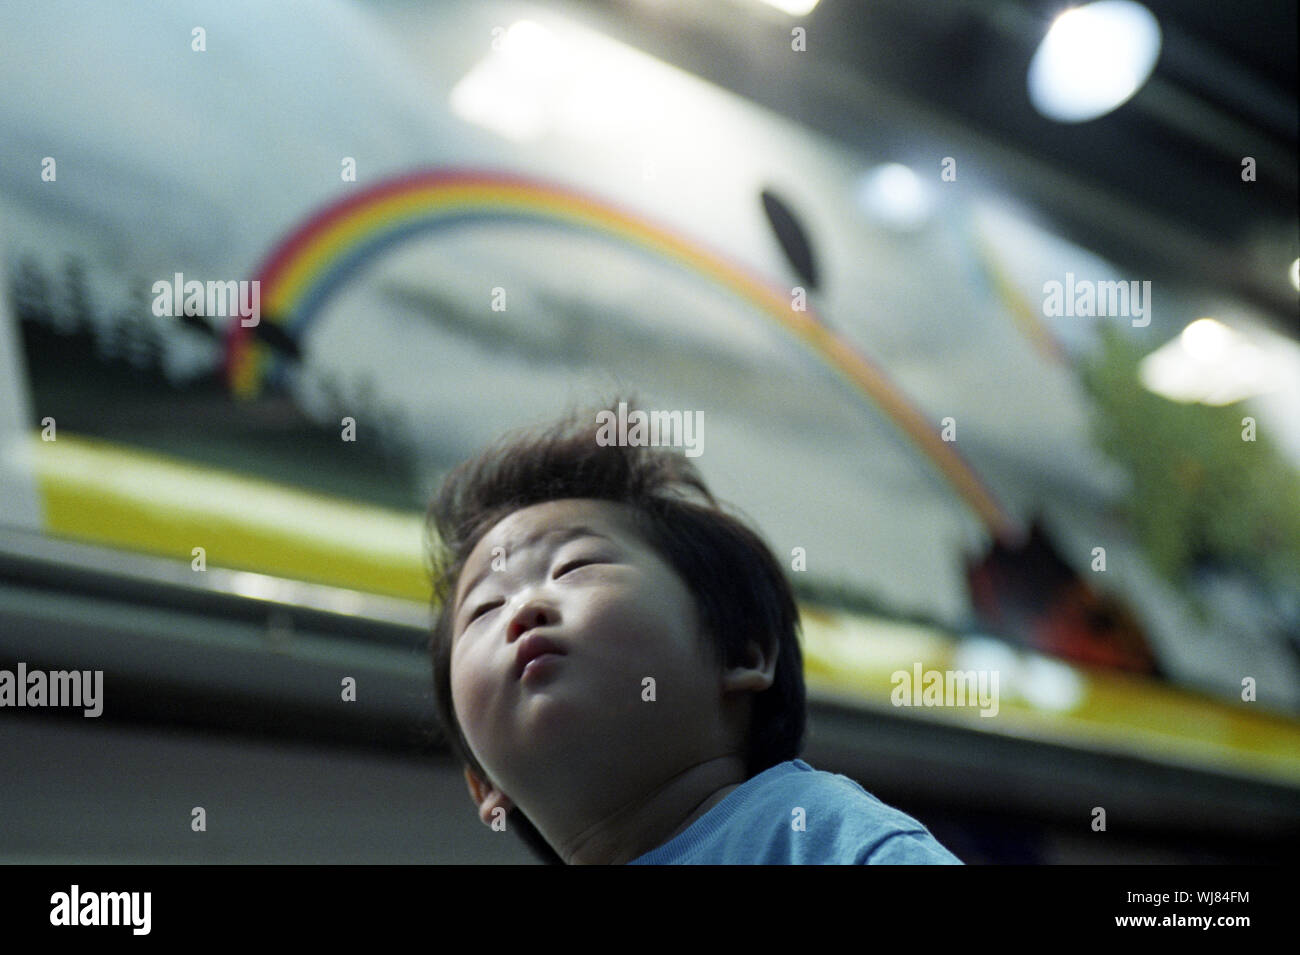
(989, 307)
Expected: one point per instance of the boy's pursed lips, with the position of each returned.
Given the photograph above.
(531, 647)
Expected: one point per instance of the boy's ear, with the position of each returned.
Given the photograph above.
(756, 670)
(486, 796)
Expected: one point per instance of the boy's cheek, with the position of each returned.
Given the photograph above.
(470, 694)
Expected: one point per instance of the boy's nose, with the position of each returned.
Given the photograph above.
(534, 613)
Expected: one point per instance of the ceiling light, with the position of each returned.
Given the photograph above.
(1093, 59)
(1206, 339)
(894, 196)
(1210, 363)
(796, 8)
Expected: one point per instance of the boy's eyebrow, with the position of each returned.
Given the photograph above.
(562, 535)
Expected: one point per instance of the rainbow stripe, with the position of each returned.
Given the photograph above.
(318, 257)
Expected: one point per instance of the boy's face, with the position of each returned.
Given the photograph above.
(575, 573)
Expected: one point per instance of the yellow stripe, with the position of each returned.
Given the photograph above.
(101, 492)
(854, 658)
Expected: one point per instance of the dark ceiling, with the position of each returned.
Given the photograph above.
(1155, 185)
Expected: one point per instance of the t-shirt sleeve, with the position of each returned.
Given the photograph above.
(911, 848)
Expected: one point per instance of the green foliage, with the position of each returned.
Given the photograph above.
(1200, 494)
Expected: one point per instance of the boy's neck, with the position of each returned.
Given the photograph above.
(649, 821)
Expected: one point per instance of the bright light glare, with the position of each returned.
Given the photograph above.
(510, 91)
(530, 43)
(1051, 684)
(1093, 59)
(1295, 274)
(1209, 363)
(1041, 682)
(896, 197)
(1205, 339)
(260, 586)
(796, 8)
(567, 82)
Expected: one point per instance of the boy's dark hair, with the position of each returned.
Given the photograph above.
(737, 585)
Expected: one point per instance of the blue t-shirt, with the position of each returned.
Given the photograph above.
(760, 823)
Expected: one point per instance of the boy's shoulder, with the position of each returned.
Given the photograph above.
(792, 813)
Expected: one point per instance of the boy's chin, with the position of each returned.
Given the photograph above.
(551, 726)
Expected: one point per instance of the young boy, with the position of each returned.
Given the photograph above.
(616, 665)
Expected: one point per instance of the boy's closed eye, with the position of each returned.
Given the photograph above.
(490, 605)
(565, 569)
